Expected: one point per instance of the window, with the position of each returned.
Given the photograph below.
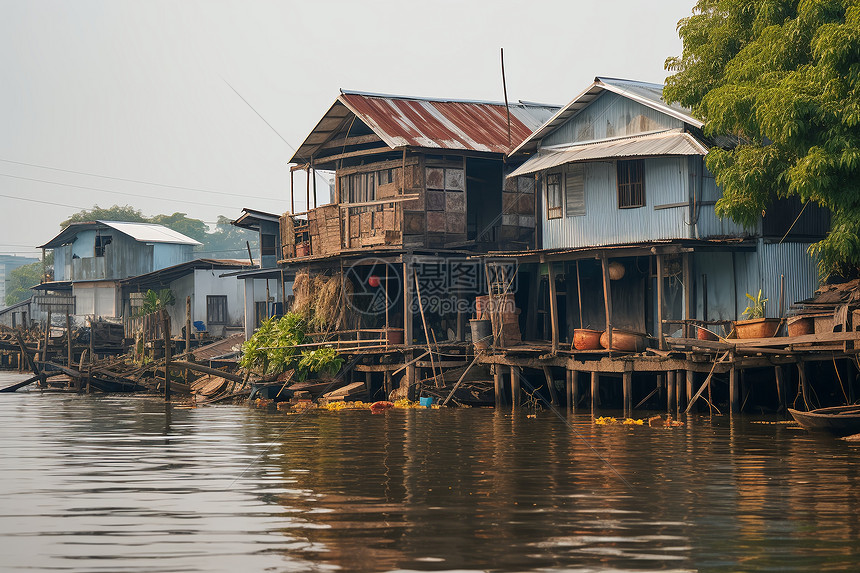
(261, 310)
(267, 244)
(631, 184)
(359, 188)
(102, 241)
(216, 309)
(553, 196)
(574, 191)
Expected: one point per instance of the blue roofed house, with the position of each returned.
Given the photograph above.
(625, 198)
(90, 258)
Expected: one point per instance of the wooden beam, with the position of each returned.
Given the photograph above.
(607, 298)
(393, 199)
(359, 153)
(595, 394)
(550, 384)
(553, 309)
(516, 395)
(627, 391)
(661, 340)
(354, 140)
(734, 390)
(498, 384)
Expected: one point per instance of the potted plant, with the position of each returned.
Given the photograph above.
(756, 325)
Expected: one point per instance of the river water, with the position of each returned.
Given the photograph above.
(112, 483)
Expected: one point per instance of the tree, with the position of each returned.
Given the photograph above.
(115, 213)
(784, 77)
(20, 280)
(227, 241)
(179, 222)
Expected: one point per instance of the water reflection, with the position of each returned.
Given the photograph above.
(123, 483)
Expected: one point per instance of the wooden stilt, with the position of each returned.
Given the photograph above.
(804, 386)
(850, 378)
(607, 299)
(568, 390)
(661, 340)
(515, 387)
(550, 384)
(553, 308)
(595, 394)
(574, 382)
(367, 382)
(690, 382)
(780, 388)
(734, 390)
(387, 383)
(497, 382)
(670, 391)
(627, 390)
(165, 326)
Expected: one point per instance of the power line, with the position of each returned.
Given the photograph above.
(44, 202)
(137, 180)
(137, 195)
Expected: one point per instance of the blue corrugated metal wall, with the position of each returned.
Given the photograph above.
(611, 115)
(604, 223)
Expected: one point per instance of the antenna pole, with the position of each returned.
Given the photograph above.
(505, 89)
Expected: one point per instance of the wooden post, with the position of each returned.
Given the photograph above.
(780, 388)
(804, 386)
(688, 293)
(165, 327)
(691, 378)
(550, 384)
(734, 390)
(534, 295)
(68, 340)
(498, 384)
(387, 382)
(670, 390)
(47, 337)
(595, 394)
(607, 299)
(660, 338)
(292, 193)
(553, 308)
(574, 382)
(91, 357)
(368, 379)
(627, 390)
(407, 322)
(188, 333)
(579, 295)
(516, 398)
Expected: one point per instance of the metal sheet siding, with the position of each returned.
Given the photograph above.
(799, 268)
(707, 193)
(166, 255)
(610, 115)
(605, 224)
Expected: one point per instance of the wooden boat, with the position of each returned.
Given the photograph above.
(839, 420)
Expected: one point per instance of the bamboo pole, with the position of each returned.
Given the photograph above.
(187, 332)
(424, 322)
(165, 327)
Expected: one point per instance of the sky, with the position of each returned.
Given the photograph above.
(158, 104)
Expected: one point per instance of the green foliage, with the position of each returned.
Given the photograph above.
(155, 301)
(784, 76)
(756, 307)
(322, 360)
(275, 348)
(181, 223)
(115, 213)
(227, 241)
(20, 280)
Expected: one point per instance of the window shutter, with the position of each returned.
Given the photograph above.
(574, 191)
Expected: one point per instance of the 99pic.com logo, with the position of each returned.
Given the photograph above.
(377, 286)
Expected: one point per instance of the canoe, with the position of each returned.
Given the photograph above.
(839, 420)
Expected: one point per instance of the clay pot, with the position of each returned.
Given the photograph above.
(801, 325)
(586, 339)
(302, 249)
(705, 334)
(394, 335)
(757, 327)
(624, 341)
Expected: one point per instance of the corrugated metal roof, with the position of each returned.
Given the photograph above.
(150, 233)
(430, 123)
(673, 142)
(645, 93)
(142, 232)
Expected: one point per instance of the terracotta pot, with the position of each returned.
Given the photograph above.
(302, 249)
(800, 325)
(394, 335)
(586, 339)
(757, 327)
(624, 341)
(703, 333)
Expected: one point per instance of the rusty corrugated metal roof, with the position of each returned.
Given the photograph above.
(429, 123)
